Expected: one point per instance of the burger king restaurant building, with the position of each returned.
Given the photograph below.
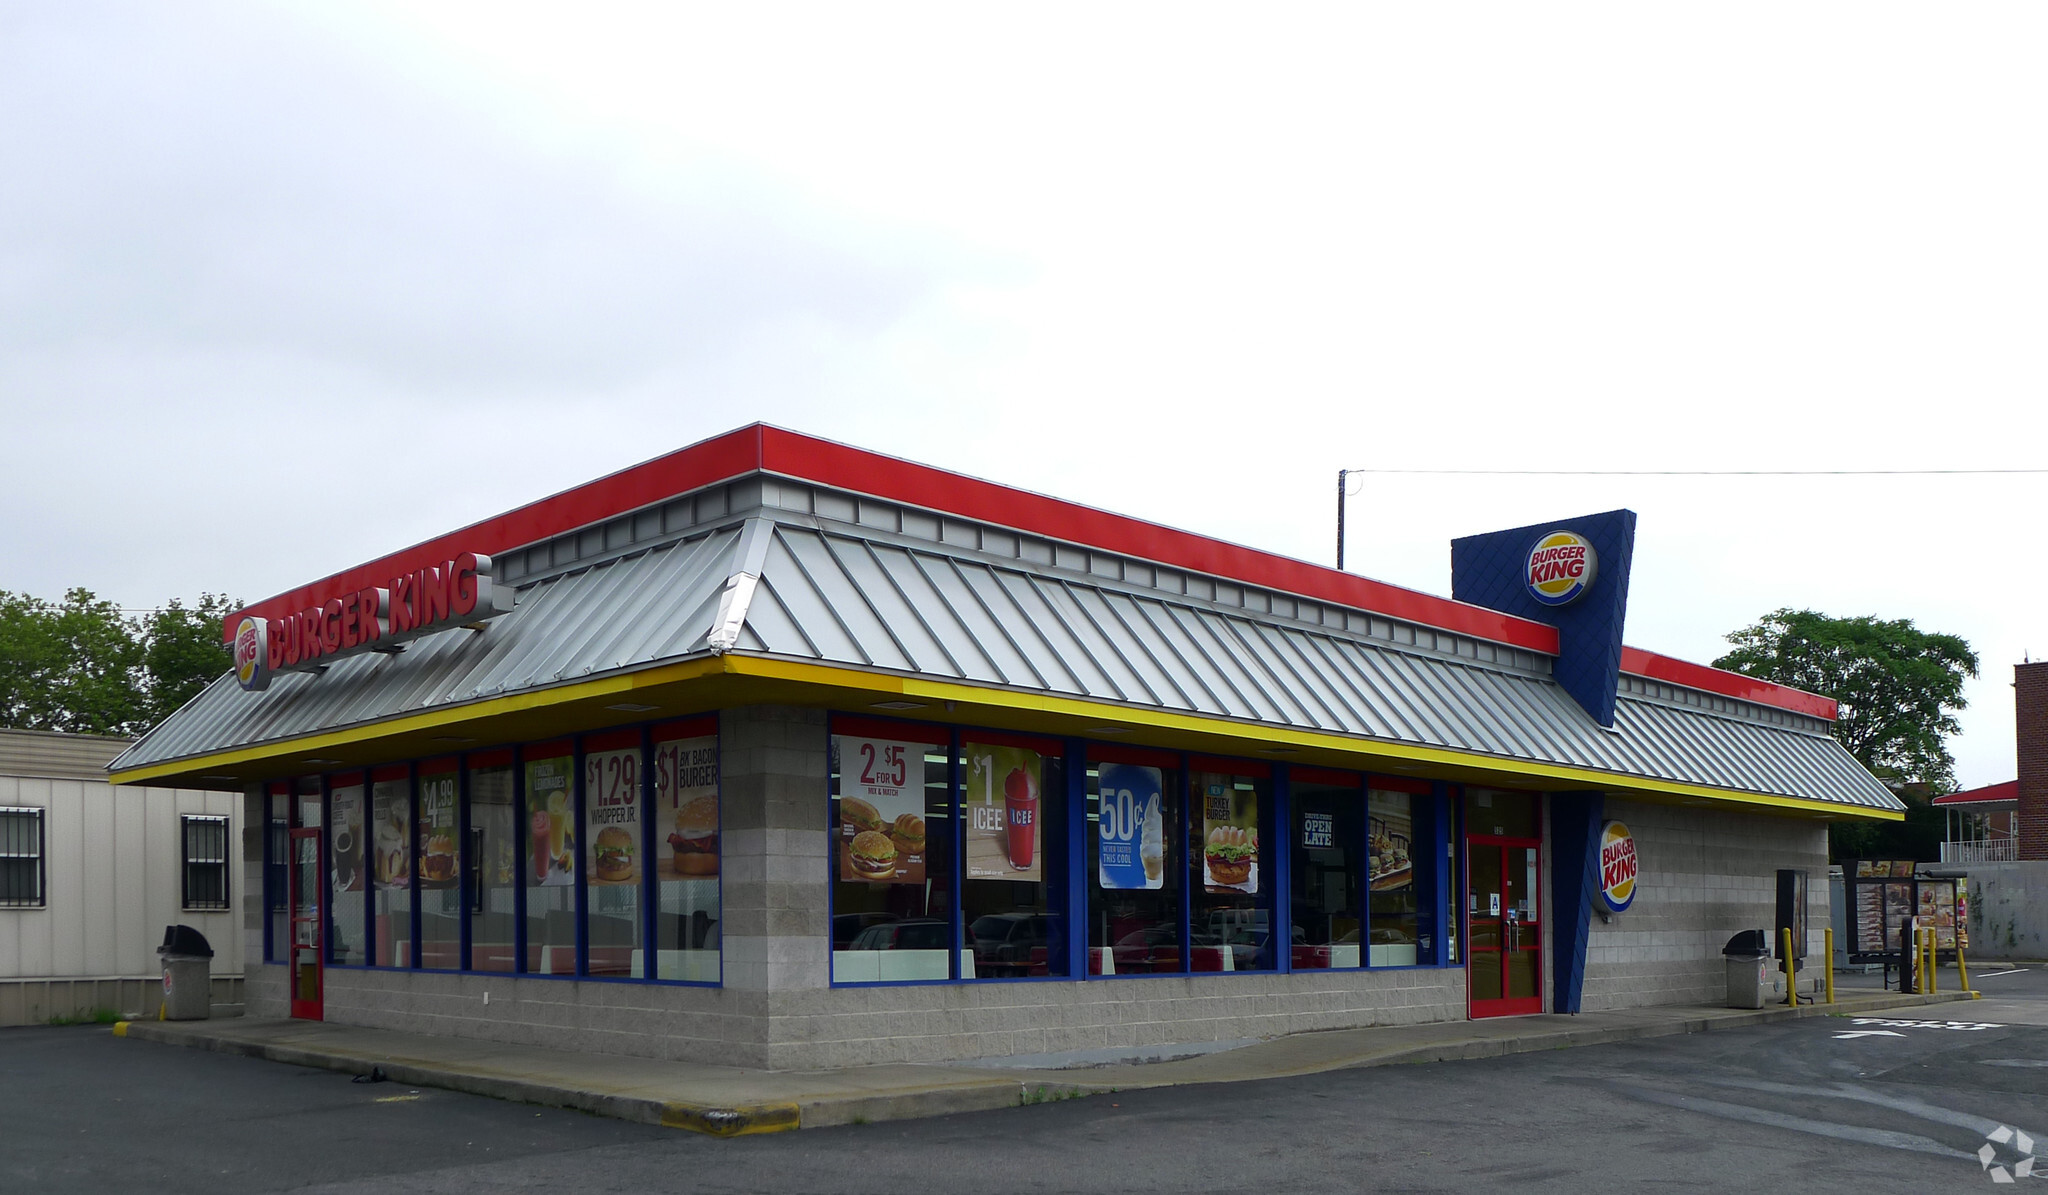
(779, 753)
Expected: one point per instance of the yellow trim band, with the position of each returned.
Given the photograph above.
(1166, 720)
(435, 719)
(800, 682)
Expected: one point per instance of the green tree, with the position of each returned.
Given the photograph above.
(183, 653)
(83, 667)
(1897, 689)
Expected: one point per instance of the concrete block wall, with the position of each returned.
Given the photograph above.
(2008, 910)
(777, 930)
(938, 1023)
(1706, 874)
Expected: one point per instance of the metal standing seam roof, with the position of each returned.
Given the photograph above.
(844, 598)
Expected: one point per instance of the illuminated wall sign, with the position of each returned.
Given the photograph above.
(379, 618)
(1561, 568)
(1617, 866)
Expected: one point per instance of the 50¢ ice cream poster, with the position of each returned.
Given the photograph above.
(1132, 827)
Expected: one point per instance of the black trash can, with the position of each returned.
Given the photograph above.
(1749, 969)
(188, 974)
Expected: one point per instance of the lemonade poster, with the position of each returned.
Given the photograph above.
(550, 808)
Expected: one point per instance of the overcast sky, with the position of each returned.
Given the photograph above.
(284, 288)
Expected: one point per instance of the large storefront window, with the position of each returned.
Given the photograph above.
(1328, 871)
(1230, 883)
(893, 841)
(1014, 826)
(276, 870)
(550, 819)
(686, 834)
(495, 842)
(349, 855)
(612, 842)
(391, 837)
(440, 866)
(1135, 853)
(1391, 865)
(602, 863)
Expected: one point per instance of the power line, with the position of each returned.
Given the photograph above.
(1703, 472)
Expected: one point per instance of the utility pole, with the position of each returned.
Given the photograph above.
(1341, 474)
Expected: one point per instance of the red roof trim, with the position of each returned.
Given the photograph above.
(772, 449)
(717, 459)
(1990, 793)
(1637, 662)
(897, 480)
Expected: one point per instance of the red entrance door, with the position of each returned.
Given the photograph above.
(1503, 913)
(308, 919)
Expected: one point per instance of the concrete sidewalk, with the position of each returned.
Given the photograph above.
(727, 1101)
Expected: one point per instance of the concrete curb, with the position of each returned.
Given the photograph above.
(734, 1120)
(717, 1121)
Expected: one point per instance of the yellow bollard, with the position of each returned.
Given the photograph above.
(1933, 963)
(1791, 975)
(1827, 938)
(1963, 969)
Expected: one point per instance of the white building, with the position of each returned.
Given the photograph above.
(91, 874)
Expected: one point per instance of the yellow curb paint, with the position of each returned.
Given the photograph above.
(395, 1099)
(741, 1121)
(120, 1028)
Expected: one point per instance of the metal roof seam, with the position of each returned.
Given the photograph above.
(1265, 711)
(832, 549)
(1273, 642)
(1011, 582)
(1312, 647)
(903, 595)
(832, 608)
(1065, 589)
(974, 591)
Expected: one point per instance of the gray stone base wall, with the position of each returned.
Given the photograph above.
(1706, 874)
(938, 1023)
(264, 993)
(645, 1020)
(851, 1026)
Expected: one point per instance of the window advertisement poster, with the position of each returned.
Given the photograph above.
(1132, 832)
(881, 810)
(438, 856)
(686, 806)
(1390, 833)
(346, 825)
(551, 859)
(1004, 786)
(611, 816)
(1230, 833)
(391, 809)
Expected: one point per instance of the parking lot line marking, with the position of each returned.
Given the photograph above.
(1867, 1033)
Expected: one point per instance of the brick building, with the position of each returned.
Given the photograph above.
(2030, 726)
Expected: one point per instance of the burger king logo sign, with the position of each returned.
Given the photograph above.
(1561, 568)
(252, 654)
(1617, 866)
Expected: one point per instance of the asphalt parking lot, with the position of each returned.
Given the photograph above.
(1886, 1103)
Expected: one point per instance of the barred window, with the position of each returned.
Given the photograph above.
(206, 862)
(21, 858)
